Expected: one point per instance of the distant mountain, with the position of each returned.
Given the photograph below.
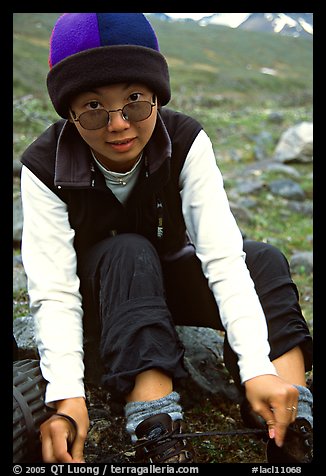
(289, 24)
(292, 24)
(160, 16)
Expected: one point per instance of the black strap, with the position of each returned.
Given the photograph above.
(249, 431)
(73, 423)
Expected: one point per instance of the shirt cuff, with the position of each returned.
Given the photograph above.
(62, 391)
(252, 368)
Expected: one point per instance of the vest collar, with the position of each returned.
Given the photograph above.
(74, 163)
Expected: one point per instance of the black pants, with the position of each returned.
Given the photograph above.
(132, 302)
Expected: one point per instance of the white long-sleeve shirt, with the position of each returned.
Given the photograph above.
(50, 263)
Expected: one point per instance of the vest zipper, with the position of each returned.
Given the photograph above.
(160, 229)
(92, 175)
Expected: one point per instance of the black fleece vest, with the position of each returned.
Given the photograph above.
(62, 161)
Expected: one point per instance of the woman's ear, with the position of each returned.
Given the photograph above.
(156, 101)
(72, 115)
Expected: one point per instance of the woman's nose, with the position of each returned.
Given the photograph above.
(117, 121)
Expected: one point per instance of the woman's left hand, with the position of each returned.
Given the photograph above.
(275, 401)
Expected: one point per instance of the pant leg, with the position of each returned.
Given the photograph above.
(189, 298)
(192, 303)
(123, 290)
(287, 327)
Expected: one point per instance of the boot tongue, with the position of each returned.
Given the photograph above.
(155, 432)
(154, 426)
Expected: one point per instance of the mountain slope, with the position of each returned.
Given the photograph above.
(210, 61)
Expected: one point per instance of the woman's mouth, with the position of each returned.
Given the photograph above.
(122, 145)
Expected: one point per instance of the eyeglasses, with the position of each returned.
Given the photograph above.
(98, 118)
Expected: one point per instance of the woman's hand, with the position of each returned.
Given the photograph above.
(60, 441)
(275, 400)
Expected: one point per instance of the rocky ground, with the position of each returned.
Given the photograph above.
(107, 440)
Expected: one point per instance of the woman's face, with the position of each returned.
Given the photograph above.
(119, 143)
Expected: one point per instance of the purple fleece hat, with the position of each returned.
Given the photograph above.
(90, 50)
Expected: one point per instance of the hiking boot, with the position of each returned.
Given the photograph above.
(297, 447)
(157, 441)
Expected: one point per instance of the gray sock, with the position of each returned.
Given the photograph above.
(305, 404)
(136, 412)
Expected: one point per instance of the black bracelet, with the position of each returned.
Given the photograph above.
(70, 419)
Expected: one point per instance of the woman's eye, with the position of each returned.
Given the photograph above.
(134, 96)
(93, 104)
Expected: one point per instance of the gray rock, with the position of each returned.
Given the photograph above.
(263, 141)
(275, 117)
(19, 275)
(296, 144)
(245, 187)
(23, 330)
(240, 212)
(302, 261)
(305, 208)
(204, 362)
(17, 218)
(287, 188)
